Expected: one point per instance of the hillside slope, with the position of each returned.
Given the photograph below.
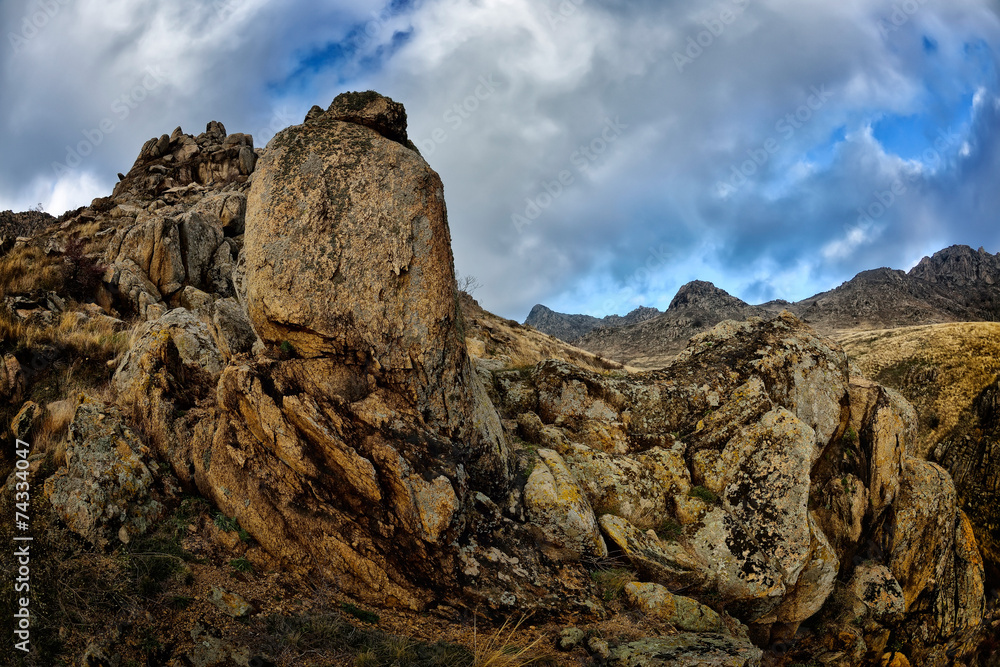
(949, 372)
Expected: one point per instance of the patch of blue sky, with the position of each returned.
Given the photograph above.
(946, 103)
(362, 51)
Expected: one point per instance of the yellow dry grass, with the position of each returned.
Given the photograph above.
(940, 368)
(500, 650)
(28, 268)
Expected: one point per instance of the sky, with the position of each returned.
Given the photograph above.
(596, 154)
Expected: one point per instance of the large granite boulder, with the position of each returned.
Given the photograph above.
(354, 446)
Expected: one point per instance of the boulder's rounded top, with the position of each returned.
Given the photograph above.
(373, 110)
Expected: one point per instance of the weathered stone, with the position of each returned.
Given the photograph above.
(639, 488)
(570, 638)
(681, 612)
(231, 329)
(372, 110)
(230, 603)
(196, 301)
(887, 428)
(687, 650)
(27, 419)
(11, 379)
(667, 563)
(743, 574)
(108, 488)
(815, 583)
(557, 506)
(934, 556)
(875, 586)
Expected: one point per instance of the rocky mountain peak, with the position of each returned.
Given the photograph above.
(959, 265)
(702, 294)
(212, 159)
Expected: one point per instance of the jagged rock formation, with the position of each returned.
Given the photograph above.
(21, 225)
(111, 487)
(299, 359)
(957, 284)
(698, 306)
(572, 327)
(375, 439)
(971, 455)
(811, 476)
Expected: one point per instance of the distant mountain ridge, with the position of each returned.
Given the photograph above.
(570, 327)
(957, 284)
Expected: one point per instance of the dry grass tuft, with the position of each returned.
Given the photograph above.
(55, 426)
(499, 649)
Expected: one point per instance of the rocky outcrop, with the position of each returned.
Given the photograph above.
(788, 473)
(558, 507)
(21, 225)
(971, 454)
(178, 220)
(354, 445)
(688, 650)
(11, 379)
(111, 488)
(681, 612)
(213, 158)
(303, 365)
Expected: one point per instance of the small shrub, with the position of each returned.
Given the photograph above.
(611, 582)
(703, 494)
(359, 613)
(286, 349)
(850, 437)
(241, 565)
(669, 530)
(225, 523)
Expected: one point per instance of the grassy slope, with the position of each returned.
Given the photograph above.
(940, 368)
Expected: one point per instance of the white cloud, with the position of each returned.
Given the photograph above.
(261, 65)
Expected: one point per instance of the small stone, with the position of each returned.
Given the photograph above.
(230, 603)
(570, 638)
(895, 659)
(599, 648)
